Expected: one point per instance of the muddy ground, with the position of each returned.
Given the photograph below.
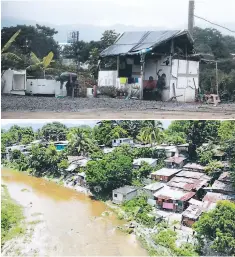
(41, 107)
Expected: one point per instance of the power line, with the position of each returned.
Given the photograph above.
(214, 23)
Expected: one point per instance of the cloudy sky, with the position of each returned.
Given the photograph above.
(160, 13)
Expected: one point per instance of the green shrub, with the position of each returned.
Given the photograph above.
(11, 217)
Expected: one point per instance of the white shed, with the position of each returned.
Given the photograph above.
(14, 82)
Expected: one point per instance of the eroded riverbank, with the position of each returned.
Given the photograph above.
(70, 222)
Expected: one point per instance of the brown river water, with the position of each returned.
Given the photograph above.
(72, 223)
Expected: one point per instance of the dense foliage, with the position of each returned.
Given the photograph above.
(108, 173)
(11, 217)
(218, 227)
(211, 41)
(140, 210)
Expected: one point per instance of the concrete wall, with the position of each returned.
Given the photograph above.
(130, 196)
(42, 86)
(120, 198)
(14, 82)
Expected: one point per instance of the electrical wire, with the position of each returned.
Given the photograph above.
(214, 23)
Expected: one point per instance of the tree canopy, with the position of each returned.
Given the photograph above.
(218, 227)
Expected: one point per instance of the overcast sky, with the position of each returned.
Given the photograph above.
(160, 13)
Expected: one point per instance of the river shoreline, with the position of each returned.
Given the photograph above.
(39, 227)
(143, 234)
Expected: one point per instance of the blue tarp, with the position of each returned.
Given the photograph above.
(137, 42)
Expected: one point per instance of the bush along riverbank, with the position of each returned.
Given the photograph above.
(155, 235)
(12, 218)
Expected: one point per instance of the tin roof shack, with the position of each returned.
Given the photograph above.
(151, 189)
(191, 215)
(169, 198)
(164, 174)
(212, 197)
(121, 141)
(194, 167)
(61, 145)
(175, 162)
(222, 187)
(122, 194)
(138, 162)
(22, 148)
(139, 55)
(189, 181)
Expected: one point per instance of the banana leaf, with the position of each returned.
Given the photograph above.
(10, 41)
(10, 56)
(34, 58)
(47, 60)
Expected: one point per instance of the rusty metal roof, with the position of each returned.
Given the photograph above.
(192, 212)
(194, 166)
(225, 177)
(215, 197)
(188, 184)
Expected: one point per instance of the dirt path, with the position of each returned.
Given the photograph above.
(109, 114)
(39, 107)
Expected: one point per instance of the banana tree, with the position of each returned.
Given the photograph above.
(43, 64)
(8, 55)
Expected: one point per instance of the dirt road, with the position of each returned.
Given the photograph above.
(39, 107)
(107, 114)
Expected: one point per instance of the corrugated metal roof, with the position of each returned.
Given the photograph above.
(134, 42)
(166, 172)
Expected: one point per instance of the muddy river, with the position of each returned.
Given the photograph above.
(70, 222)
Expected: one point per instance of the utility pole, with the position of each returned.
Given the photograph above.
(191, 16)
(217, 79)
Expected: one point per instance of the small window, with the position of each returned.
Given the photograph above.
(115, 195)
(114, 140)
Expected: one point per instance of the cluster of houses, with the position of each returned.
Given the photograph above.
(26, 149)
(180, 187)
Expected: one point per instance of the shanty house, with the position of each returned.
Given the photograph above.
(212, 197)
(61, 145)
(175, 162)
(191, 215)
(123, 194)
(144, 56)
(172, 199)
(121, 141)
(189, 181)
(164, 174)
(138, 162)
(151, 189)
(194, 167)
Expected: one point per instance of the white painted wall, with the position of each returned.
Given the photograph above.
(185, 77)
(14, 82)
(42, 86)
(107, 78)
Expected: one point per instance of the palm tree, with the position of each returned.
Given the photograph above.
(43, 64)
(9, 55)
(150, 133)
(79, 142)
